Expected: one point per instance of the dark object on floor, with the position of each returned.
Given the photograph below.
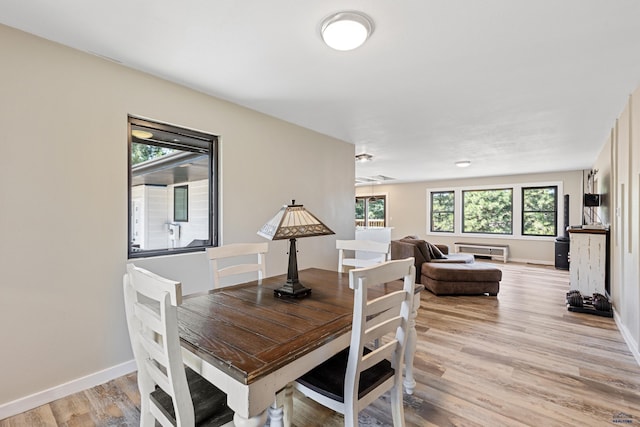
(600, 302)
(575, 300)
(597, 304)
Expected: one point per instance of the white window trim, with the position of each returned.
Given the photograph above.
(517, 211)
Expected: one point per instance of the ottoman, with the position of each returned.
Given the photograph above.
(461, 279)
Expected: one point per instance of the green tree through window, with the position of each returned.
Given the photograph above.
(442, 211)
(539, 211)
(143, 152)
(360, 210)
(487, 211)
(371, 211)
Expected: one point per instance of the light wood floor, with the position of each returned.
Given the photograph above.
(519, 359)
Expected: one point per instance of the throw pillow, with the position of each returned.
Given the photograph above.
(423, 248)
(435, 252)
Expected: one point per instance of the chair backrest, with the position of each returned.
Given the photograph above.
(387, 315)
(367, 253)
(153, 330)
(237, 250)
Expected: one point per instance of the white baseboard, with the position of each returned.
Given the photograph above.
(628, 338)
(531, 261)
(43, 397)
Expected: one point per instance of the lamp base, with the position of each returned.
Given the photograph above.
(292, 290)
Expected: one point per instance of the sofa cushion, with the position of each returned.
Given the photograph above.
(442, 248)
(461, 279)
(474, 272)
(422, 246)
(455, 259)
(438, 287)
(435, 252)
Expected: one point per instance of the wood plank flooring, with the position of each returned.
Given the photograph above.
(519, 359)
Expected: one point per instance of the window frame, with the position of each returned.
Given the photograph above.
(212, 148)
(366, 198)
(478, 190)
(555, 212)
(517, 210)
(184, 218)
(432, 212)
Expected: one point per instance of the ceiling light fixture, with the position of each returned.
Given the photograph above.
(463, 163)
(346, 30)
(364, 157)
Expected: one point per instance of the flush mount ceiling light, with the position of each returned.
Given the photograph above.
(346, 30)
(364, 157)
(463, 163)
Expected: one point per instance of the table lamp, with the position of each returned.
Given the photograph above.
(293, 221)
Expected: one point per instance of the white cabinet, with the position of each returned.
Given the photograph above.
(588, 267)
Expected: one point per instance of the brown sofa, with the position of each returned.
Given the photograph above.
(443, 273)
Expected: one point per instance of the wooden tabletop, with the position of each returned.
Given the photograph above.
(248, 333)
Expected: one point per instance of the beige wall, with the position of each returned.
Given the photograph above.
(63, 127)
(619, 179)
(407, 204)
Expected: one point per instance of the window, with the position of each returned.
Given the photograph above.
(371, 211)
(539, 211)
(442, 211)
(487, 211)
(504, 211)
(172, 189)
(181, 203)
(360, 211)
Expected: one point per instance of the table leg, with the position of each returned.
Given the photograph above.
(285, 399)
(257, 421)
(281, 411)
(275, 415)
(410, 348)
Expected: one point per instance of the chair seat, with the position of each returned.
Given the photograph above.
(209, 402)
(328, 378)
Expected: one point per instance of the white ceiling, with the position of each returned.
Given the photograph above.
(515, 86)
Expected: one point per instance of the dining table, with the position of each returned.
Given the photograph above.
(252, 344)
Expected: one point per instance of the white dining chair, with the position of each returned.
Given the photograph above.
(170, 392)
(241, 252)
(365, 253)
(351, 380)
